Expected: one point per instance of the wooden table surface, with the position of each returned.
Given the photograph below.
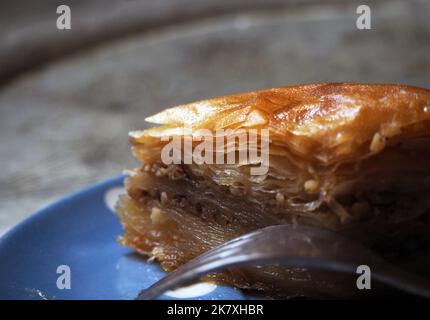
(68, 98)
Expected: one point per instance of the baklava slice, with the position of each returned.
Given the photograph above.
(353, 158)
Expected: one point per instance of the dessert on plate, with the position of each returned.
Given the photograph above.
(353, 158)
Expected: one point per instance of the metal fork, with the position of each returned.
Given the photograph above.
(292, 245)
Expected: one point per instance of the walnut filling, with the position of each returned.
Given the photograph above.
(174, 213)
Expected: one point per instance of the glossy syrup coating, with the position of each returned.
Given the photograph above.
(317, 121)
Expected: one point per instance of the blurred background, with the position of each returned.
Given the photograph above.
(69, 97)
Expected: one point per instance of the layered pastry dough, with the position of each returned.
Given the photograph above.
(353, 158)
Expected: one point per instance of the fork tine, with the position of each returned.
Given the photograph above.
(302, 246)
(189, 271)
(215, 259)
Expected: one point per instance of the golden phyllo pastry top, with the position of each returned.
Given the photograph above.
(321, 121)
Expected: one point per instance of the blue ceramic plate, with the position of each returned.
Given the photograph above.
(69, 251)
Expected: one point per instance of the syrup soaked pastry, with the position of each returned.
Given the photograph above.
(353, 158)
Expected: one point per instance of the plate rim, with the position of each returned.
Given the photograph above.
(51, 207)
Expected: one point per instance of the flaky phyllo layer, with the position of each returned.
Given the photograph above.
(349, 157)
